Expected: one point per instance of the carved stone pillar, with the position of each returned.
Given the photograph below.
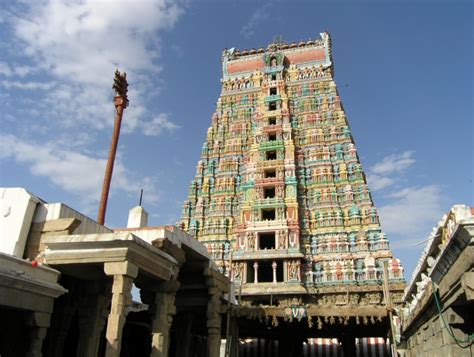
(64, 310)
(214, 321)
(92, 317)
(183, 348)
(255, 272)
(160, 299)
(274, 267)
(123, 274)
(39, 323)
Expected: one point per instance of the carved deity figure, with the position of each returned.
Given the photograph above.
(281, 240)
(250, 241)
(293, 270)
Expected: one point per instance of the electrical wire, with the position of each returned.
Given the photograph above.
(469, 340)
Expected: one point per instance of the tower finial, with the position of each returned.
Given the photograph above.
(120, 86)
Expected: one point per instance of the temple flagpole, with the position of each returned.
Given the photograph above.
(120, 87)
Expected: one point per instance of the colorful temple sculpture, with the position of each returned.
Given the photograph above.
(280, 199)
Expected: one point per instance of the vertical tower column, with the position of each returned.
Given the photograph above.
(255, 272)
(274, 267)
(123, 274)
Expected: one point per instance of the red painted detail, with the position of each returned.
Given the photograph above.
(307, 56)
(245, 66)
(269, 182)
(34, 263)
(273, 128)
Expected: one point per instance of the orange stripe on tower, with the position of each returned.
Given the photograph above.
(245, 66)
(306, 56)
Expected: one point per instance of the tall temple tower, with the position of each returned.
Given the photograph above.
(279, 191)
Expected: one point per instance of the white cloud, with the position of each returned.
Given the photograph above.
(409, 212)
(257, 17)
(27, 85)
(377, 182)
(79, 44)
(389, 170)
(72, 171)
(5, 69)
(158, 125)
(18, 70)
(412, 211)
(395, 163)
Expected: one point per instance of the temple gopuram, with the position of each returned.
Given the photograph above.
(281, 201)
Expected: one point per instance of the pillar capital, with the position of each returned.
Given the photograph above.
(121, 268)
(39, 319)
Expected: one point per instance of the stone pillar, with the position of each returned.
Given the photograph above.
(234, 334)
(64, 310)
(92, 317)
(39, 323)
(274, 267)
(183, 348)
(160, 299)
(214, 321)
(123, 274)
(255, 272)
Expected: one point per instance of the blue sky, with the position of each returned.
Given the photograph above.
(404, 71)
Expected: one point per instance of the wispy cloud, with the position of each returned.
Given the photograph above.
(79, 44)
(412, 211)
(389, 170)
(74, 172)
(159, 124)
(394, 163)
(256, 19)
(409, 211)
(27, 85)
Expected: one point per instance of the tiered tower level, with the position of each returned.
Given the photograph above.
(279, 190)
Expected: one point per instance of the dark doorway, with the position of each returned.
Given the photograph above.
(271, 155)
(265, 271)
(266, 240)
(270, 173)
(269, 192)
(250, 272)
(268, 214)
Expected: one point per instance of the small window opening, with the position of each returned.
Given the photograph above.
(266, 240)
(270, 173)
(272, 121)
(265, 271)
(272, 106)
(273, 91)
(272, 137)
(274, 77)
(269, 192)
(271, 155)
(279, 271)
(250, 272)
(268, 214)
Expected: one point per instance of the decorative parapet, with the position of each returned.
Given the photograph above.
(237, 64)
(438, 241)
